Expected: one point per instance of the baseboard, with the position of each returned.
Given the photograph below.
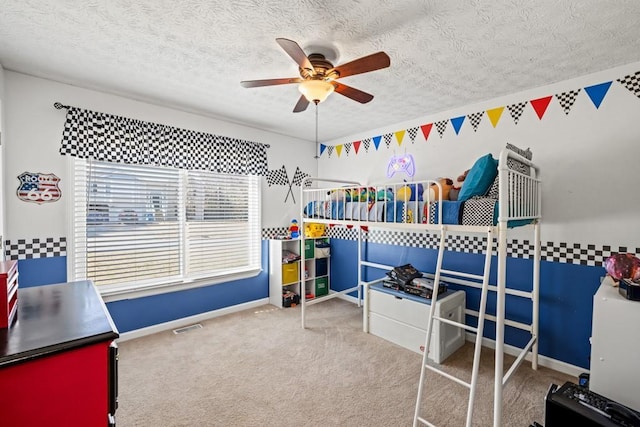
(545, 361)
(178, 323)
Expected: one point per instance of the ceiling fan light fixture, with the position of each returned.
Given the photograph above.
(315, 90)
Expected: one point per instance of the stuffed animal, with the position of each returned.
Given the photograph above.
(403, 193)
(434, 190)
(312, 229)
(337, 194)
(455, 189)
(385, 194)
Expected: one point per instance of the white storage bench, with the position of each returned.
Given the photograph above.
(402, 319)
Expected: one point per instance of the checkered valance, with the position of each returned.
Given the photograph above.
(105, 137)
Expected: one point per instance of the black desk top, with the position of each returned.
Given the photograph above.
(55, 318)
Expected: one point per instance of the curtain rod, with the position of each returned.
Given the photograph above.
(60, 106)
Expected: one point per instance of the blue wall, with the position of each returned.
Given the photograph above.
(566, 292)
(131, 314)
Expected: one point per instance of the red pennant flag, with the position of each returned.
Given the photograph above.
(356, 145)
(540, 105)
(426, 129)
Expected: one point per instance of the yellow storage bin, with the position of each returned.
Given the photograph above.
(290, 273)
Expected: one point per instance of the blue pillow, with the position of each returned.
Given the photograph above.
(479, 178)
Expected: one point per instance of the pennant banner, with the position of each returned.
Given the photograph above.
(413, 132)
(376, 141)
(475, 119)
(516, 110)
(441, 126)
(597, 92)
(387, 139)
(540, 105)
(426, 129)
(367, 144)
(457, 123)
(567, 99)
(632, 83)
(494, 115)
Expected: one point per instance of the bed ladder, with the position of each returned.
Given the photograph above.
(477, 330)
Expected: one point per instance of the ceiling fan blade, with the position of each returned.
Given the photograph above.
(365, 64)
(301, 105)
(270, 82)
(353, 93)
(294, 50)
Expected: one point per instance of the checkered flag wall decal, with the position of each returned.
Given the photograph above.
(298, 176)
(277, 177)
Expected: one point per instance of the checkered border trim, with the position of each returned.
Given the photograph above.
(576, 253)
(47, 247)
(590, 255)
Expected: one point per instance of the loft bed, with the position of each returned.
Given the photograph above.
(498, 195)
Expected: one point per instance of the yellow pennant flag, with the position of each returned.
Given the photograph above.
(494, 115)
(339, 149)
(400, 136)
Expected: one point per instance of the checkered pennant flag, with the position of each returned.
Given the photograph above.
(516, 110)
(413, 132)
(347, 147)
(441, 126)
(277, 177)
(387, 139)
(566, 99)
(330, 150)
(299, 176)
(632, 83)
(475, 119)
(367, 144)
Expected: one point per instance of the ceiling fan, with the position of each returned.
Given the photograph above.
(318, 76)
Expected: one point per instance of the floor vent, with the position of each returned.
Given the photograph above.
(187, 328)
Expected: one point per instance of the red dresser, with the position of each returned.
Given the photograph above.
(58, 360)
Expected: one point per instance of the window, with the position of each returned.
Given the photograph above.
(140, 226)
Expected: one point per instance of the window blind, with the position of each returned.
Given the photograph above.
(136, 226)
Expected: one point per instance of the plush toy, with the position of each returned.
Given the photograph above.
(434, 190)
(385, 194)
(312, 229)
(403, 193)
(367, 194)
(294, 230)
(455, 189)
(337, 194)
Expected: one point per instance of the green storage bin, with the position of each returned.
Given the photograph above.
(309, 249)
(322, 286)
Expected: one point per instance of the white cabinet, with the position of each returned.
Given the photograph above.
(402, 319)
(615, 346)
(284, 271)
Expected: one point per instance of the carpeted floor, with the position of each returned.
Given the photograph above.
(260, 368)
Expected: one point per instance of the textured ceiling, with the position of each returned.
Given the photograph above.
(192, 54)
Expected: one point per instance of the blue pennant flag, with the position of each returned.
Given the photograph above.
(457, 123)
(597, 92)
(376, 141)
(322, 148)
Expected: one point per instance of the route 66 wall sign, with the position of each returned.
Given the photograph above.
(38, 187)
